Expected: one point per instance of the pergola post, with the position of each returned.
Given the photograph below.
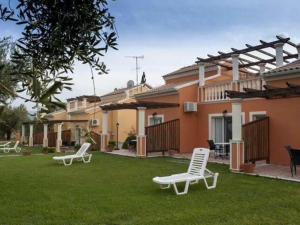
(298, 50)
(236, 144)
(262, 68)
(30, 144)
(104, 134)
(141, 137)
(23, 134)
(58, 139)
(201, 74)
(235, 67)
(45, 139)
(279, 54)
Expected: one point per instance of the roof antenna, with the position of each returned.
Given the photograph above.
(137, 68)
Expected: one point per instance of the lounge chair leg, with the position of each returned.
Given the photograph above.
(67, 164)
(215, 179)
(165, 187)
(87, 161)
(186, 188)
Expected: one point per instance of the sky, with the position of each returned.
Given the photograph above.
(170, 34)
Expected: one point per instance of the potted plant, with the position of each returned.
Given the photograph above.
(111, 146)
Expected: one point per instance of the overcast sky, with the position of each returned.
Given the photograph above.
(172, 33)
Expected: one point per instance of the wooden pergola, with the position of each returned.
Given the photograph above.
(45, 124)
(270, 92)
(255, 59)
(137, 105)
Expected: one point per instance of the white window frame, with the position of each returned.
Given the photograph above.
(256, 113)
(158, 115)
(210, 127)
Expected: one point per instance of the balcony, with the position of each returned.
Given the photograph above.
(216, 92)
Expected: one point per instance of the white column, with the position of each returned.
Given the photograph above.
(31, 135)
(141, 120)
(58, 140)
(262, 68)
(235, 67)
(201, 74)
(45, 139)
(298, 50)
(279, 54)
(23, 133)
(237, 120)
(105, 122)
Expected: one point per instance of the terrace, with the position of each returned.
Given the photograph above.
(248, 67)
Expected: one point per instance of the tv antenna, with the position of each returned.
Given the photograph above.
(137, 68)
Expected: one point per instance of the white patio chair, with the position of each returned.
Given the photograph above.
(196, 171)
(81, 155)
(7, 149)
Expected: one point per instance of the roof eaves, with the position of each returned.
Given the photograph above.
(156, 93)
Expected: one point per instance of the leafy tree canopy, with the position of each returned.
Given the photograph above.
(56, 33)
(11, 120)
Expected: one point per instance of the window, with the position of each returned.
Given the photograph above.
(157, 119)
(257, 115)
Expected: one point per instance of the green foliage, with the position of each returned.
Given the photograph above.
(112, 144)
(48, 150)
(11, 120)
(56, 34)
(131, 136)
(77, 146)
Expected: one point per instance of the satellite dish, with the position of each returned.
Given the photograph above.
(130, 83)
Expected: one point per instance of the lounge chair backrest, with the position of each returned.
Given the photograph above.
(199, 161)
(84, 147)
(16, 144)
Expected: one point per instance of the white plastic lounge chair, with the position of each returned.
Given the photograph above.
(81, 154)
(197, 171)
(4, 145)
(7, 149)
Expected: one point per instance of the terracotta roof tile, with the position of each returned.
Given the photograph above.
(291, 66)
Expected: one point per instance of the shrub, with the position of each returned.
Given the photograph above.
(49, 150)
(130, 137)
(77, 146)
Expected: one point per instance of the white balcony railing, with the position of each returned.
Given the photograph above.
(216, 92)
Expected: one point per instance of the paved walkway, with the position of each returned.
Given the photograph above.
(276, 172)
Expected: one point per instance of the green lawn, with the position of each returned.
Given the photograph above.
(119, 190)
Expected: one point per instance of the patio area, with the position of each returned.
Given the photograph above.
(262, 169)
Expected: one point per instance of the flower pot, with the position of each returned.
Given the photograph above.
(247, 167)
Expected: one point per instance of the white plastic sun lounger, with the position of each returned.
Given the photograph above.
(197, 171)
(81, 155)
(4, 145)
(7, 149)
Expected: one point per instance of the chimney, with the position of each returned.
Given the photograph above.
(201, 74)
(235, 67)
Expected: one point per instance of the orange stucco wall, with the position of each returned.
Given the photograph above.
(284, 116)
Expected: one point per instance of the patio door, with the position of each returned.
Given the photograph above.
(78, 135)
(221, 129)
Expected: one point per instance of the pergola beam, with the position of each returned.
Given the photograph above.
(292, 90)
(242, 51)
(270, 60)
(253, 56)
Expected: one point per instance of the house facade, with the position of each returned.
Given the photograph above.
(205, 111)
(86, 110)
